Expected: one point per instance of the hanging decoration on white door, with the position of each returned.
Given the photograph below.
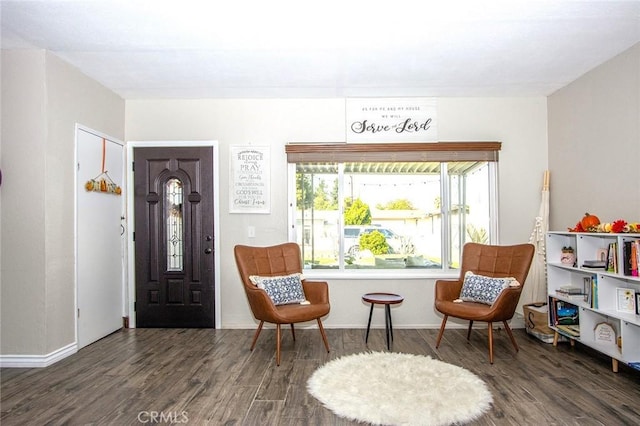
(103, 182)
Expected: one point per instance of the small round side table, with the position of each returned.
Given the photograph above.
(386, 299)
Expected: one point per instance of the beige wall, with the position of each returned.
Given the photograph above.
(71, 98)
(42, 100)
(519, 123)
(23, 163)
(594, 144)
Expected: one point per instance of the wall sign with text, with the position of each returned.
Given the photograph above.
(391, 120)
(250, 189)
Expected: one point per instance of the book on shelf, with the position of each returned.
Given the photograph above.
(612, 258)
(563, 313)
(635, 258)
(595, 264)
(570, 289)
(571, 330)
(626, 257)
(587, 294)
(580, 296)
(631, 257)
(586, 285)
(572, 293)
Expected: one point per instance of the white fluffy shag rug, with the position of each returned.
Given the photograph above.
(386, 388)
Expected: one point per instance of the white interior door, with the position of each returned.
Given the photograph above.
(100, 236)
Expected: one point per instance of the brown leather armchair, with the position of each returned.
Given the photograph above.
(282, 259)
(492, 261)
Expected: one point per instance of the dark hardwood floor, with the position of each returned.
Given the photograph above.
(203, 376)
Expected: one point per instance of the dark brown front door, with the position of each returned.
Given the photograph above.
(174, 236)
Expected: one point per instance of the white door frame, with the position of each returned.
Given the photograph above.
(78, 128)
(131, 221)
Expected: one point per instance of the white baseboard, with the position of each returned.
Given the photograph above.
(329, 326)
(37, 361)
(514, 323)
(517, 321)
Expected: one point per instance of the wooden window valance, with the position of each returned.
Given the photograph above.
(300, 152)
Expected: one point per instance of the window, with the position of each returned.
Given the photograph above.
(174, 224)
(391, 206)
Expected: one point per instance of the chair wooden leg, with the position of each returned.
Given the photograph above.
(510, 333)
(324, 336)
(278, 344)
(469, 330)
(255, 336)
(490, 330)
(444, 321)
(293, 333)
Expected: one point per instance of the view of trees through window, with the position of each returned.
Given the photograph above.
(390, 215)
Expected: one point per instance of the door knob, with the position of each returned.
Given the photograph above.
(207, 251)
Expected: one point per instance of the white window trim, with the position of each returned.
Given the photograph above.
(441, 151)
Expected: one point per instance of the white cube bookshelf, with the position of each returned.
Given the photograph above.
(603, 304)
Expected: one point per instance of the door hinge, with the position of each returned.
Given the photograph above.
(133, 166)
(135, 306)
(134, 236)
(78, 312)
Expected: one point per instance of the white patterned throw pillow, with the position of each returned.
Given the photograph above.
(482, 289)
(283, 290)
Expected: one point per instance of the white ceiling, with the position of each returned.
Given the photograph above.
(345, 48)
